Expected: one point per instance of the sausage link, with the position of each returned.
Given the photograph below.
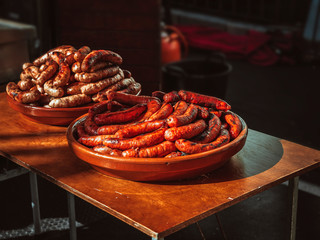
(92, 88)
(165, 110)
(121, 84)
(74, 88)
(28, 96)
(179, 108)
(174, 154)
(129, 99)
(25, 84)
(98, 66)
(202, 112)
(92, 141)
(63, 75)
(26, 65)
(171, 97)
(106, 150)
(105, 106)
(183, 119)
(159, 150)
(48, 73)
(81, 53)
(70, 101)
(146, 140)
(133, 88)
(111, 129)
(191, 147)
(204, 100)
(53, 91)
(100, 55)
(140, 128)
(234, 123)
(98, 75)
(76, 67)
(187, 131)
(158, 94)
(212, 131)
(123, 116)
(152, 107)
(90, 126)
(127, 73)
(81, 132)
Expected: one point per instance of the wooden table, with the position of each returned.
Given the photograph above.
(157, 209)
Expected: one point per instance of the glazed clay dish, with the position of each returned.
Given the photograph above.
(156, 169)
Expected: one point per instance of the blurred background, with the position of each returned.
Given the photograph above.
(261, 56)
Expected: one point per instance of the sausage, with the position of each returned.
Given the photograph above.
(127, 74)
(48, 73)
(187, 131)
(133, 88)
(25, 84)
(98, 56)
(81, 132)
(92, 141)
(45, 57)
(129, 99)
(28, 96)
(165, 110)
(204, 100)
(159, 150)
(191, 147)
(90, 126)
(58, 57)
(123, 116)
(179, 108)
(104, 106)
(98, 66)
(69, 58)
(152, 107)
(146, 140)
(174, 154)
(26, 65)
(92, 88)
(76, 67)
(171, 97)
(183, 119)
(51, 90)
(216, 112)
(106, 150)
(121, 84)
(213, 130)
(32, 72)
(70, 101)
(110, 129)
(63, 75)
(139, 128)
(98, 75)
(81, 53)
(74, 88)
(224, 125)
(202, 112)
(43, 67)
(158, 94)
(234, 123)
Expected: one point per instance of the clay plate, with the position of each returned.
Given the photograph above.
(156, 169)
(50, 116)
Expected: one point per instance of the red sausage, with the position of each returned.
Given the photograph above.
(98, 75)
(90, 126)
(159, 150)
(106, 150)
(171, 97)
(186, 118)
(234, 123)
(187, 131)
(123, 116)
(165, 110)
(129, 99)
(190, 147)
(92, 141)
(140, 128)
(204, 100)
(213, 130)
(146, 140)
(81, 53)
(174, 154)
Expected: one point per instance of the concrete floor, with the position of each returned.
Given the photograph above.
(279, 100)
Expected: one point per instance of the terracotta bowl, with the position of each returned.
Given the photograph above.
(156, 169)
(50, 116)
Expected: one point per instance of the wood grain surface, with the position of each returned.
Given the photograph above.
(157, 209)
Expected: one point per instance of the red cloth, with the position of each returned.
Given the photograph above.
(258, 48)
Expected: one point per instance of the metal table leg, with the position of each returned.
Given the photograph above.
(72, 216)
(35, 203)
(293, 188)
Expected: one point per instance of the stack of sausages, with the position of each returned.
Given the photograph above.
(67, 77)
(162, 125)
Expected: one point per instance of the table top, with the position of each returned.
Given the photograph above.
(157, 209)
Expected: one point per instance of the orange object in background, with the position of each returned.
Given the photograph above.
(174, 46)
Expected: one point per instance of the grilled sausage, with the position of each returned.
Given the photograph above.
(187, 131)
(189, 115)
(81, 53)
(70, 101)
(212, 131)
(165, 110)
(53, 91)
(47, 73)
(92, 141)
(190, 147)
(98, 75)
(234, 123)
(106, 150)
(159, 150)
(129, 99)
(139, 128)
(100, 55)
(171, 97)
(204, 100)
(63, 75)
